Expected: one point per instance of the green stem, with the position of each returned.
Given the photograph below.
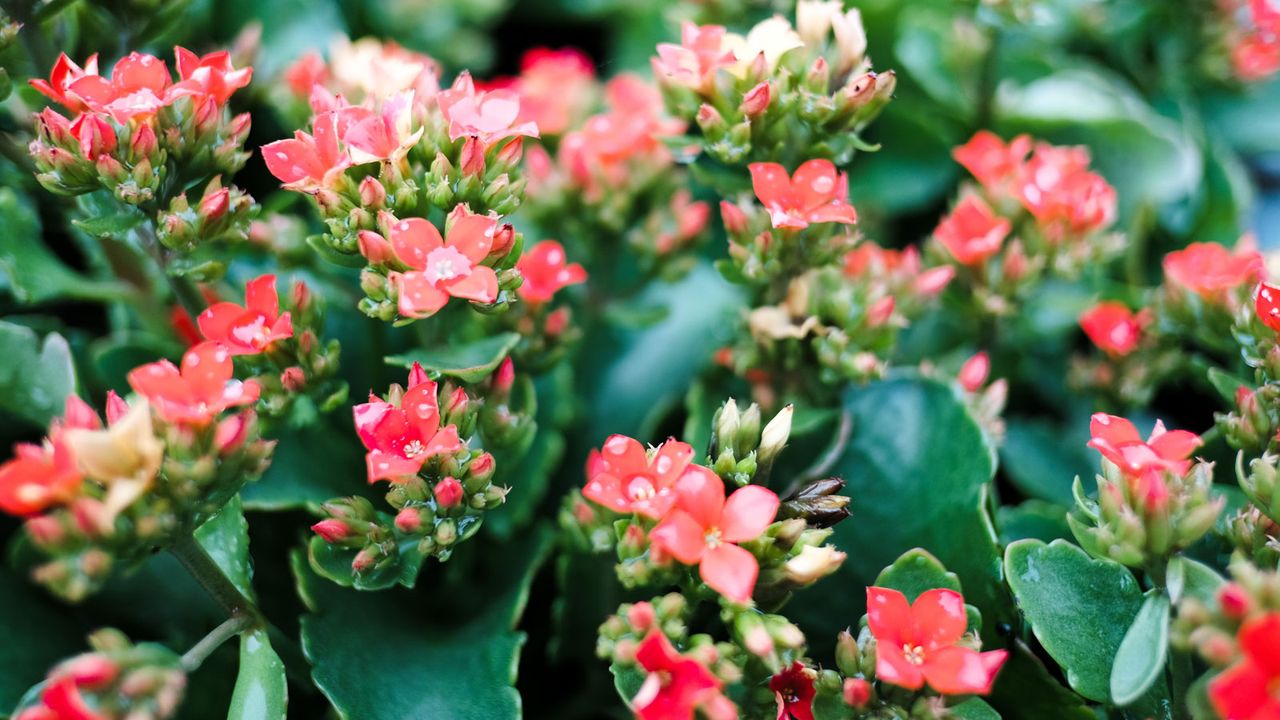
(195, 657)
(193, 557)
(184, 290)
(1181, 675)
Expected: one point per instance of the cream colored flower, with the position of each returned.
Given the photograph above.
(369, 67)
(124, 457)
(813, 563)
(772, 38)
(775, 323)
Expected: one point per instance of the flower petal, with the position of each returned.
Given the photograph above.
(730, 571)
(481, 285)
(892, 666)
(959, 670)
(472, 235)
(939, 618)
(700, 493)
(1260, 640)
(771, 184)
(218, 319)
(889, 616)
(680, 535)
(747, 512)
(413, 239)
(418, 297)
(260, 296)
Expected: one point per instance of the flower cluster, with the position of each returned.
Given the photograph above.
(1036, 209)
(148, 138)
(117, 681)
(779, 92)
(417, 439)
(1152, 499)
(1251, 38)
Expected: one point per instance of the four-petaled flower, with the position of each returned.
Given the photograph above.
(916, 643)
(693, 63)
(1164, 450)
(1247, 690)
(250, 329)
(794, 691)
(66, 72)
(212, 76)
(676, 684)
(623, 478)
(1114, 328)
(991, 161)
(1266, 303)
(972, 232)
(490, 116)
(1211, 271)
(546, 273)
(198, 391)
(309, 162)
(443, 267)
(703, 529)
(38, 477)
(401, 438)
(816, 193)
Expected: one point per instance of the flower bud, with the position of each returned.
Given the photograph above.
(973, 374)
(880, 311)
(471, 160)
(775, 435)
(332, 530)
(856, 692)
(373, 195)
(142, 143)
(375, 248)
(293, 379)
(504, 377)
(735, 221)
(934, 280)
(448, 492)
(756, 101)
(641, 616)
(408, 521)
(482, 467)
(503, 238)
(1234, 601)
(213, 206)
(711, 122)
(95, 136)
(813, 563)
(848, 657)
(509, 155)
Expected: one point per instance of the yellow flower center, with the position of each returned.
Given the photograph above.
(913, 653)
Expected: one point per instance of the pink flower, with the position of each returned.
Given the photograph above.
(137, 89)
(198, 391)
(703, 529)
(1164, 451)
(250, 329)
(305, 73)
(1064, 197)
(815, 194)
(95, 135)
(694, 62)
(385, 135)
(545, 272)
(1114, 328)
(676, 684)
(556, 88)
(64, 73)
(972, 232)
(991, 161)
(1211, 271)
(916, 643)
(309, 162)
(401, 438)
(443, 268)
(1246, 690)
(623, 478)
(210, 76)
(489, 116)
(1266, 303)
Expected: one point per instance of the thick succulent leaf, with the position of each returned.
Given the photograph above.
(34, 273)
(1140, 659)
(469, 362)
(35, 377)
(1079, 608)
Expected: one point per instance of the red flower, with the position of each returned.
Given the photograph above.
(625, 479)
(251, 329)
(199, 391)
(556, 88)
(386, 134)
(210, 76)
(95, 135)
(1114, 328)
(1165, 450)
(308, 162)
(443, 268)
(1266, 303)
(694, 62)
(138, 88)
(704, 528)
(1210, 270)
(815, 194)
(676, 685)
(992, 162)
(401, 438)
(545, 272)
(916, 643)
(489, 116)
(38, 477)
(972, 232)
(1057, 188)
(1246, 690)
(793, 688)
(64, 73)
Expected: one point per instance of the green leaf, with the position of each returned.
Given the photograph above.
(1243, 118)
(1199, 581)
(1140, 659)
(310, 465)
(529, 478)
(225, 536)
(261, 692)
(915, 572)
(1225, 383)
(975, 709)
(35, 274)
(333, 563)
(37, 634)
(110, 225)
(1149, 158)
(1078, 608)
(915, 167)
(35, 378)
(1042, 458)
(1025, 690)
(398, 654)
(1032, 519)
(471, 362)
(917, 467)
(946, 66)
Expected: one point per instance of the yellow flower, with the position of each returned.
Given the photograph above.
(124, 457)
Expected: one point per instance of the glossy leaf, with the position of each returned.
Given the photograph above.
(1079, 608)
(1042, 458)
(390, 655)
(975, 709)
(1032, 519)
(35, 377)
(1026, 690)
(225, 536)
(470, 362)
(261, 692)
(309, 466)
(915, 572)
(35, 274)
(1140, 659)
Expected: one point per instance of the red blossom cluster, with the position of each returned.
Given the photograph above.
(1252, 38)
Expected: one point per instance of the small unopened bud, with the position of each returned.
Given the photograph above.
(504, 377)
(758, 641)
(848, 656)
(756, 101)
(973, 374)
(95, 135)
(813, 563)
(557, 322)
(482, 467)
(365, 559)
(735, 221)
(293, 379)
(856, 692)
(457, 402)
(471, 160)
(710, 120)
(448, 492)
(91, 671)
(880, 311)
(1234, 601)
(375, 248)
(408, 521)
(641, 616)
(332, 530)
(932, 281)
(214, 205)
(142, 143)
(372, 195)
(116, 407)
(775, 435)
(509, 155)
(503, 237)
(45, 530)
